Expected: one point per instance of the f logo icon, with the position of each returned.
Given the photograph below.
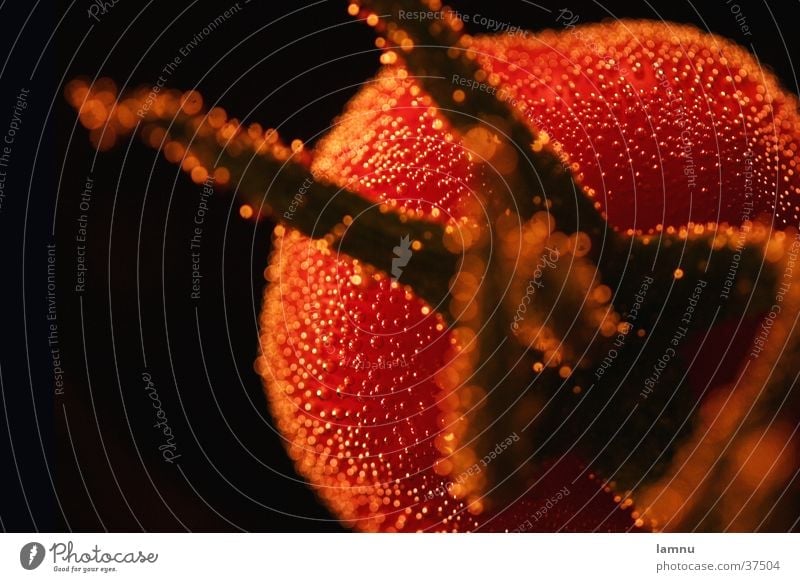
(31, 555)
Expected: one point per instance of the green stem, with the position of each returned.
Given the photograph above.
(540, 181)
(366, 230)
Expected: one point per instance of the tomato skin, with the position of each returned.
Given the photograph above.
(663, 123)
(662, 130)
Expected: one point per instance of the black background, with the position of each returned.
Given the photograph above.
(101, 447)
